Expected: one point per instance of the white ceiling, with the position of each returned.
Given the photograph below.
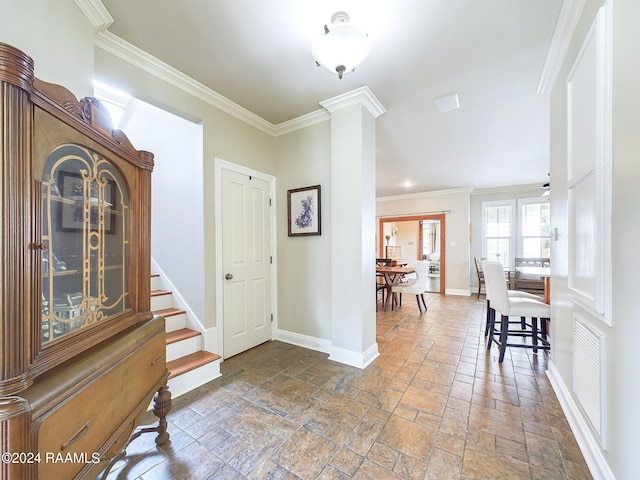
(257, 54)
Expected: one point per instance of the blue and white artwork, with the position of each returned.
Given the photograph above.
(304, 211)
(304, 219)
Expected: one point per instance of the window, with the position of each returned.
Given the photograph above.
(497, 231)
(508, 232)
(535, 228)
(114, 101)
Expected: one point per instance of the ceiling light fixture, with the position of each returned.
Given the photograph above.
(342, 47)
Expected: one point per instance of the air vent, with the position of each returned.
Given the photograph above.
(588, 373)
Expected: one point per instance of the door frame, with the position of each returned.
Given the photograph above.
(418, 218)
(221, 165)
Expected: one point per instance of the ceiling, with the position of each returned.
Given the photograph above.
(257, 54)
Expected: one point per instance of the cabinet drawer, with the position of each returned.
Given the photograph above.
(77, 427)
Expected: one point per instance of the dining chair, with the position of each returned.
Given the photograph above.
(416, 287)
(508, 306)
(527, 282)
(381, 285)
(480, 274)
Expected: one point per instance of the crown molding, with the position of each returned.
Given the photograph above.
(97, 14)
(303, 121)
(131, 54)
(512, 190)
(435, 193)
(568, 17)
(101, 20)
(360, 96)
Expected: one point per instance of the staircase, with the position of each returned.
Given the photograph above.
(188, 364)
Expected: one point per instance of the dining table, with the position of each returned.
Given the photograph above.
(543, 272)
(392, 276)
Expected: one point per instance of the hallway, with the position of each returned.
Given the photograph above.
(434, 405)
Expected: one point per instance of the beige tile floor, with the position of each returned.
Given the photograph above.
(434, 405)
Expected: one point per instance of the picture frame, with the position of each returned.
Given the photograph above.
(304, 211)
(71, 208)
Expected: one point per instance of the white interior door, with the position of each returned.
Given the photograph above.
(246, 262)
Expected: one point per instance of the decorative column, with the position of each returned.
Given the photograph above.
(353, 301)
(16, 247)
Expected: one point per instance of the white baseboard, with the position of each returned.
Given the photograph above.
(312, 343)
(348, 357)
(457, 291)
(587, 442)
(355, 359)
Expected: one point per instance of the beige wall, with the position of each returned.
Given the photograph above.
(304, 263)
(456, 205)
(224, 137)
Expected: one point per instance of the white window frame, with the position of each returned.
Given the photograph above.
(513, 233)
(519, 235)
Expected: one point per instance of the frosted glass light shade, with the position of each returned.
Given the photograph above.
(343, 47)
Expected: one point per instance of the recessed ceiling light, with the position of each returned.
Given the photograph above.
(407, 184)
(447, 103)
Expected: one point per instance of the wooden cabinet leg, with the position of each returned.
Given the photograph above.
(161, 408)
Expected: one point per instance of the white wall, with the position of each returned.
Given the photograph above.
(57, 36)
(619, 459)
(177, 218)
(624, 389)
(456, 205)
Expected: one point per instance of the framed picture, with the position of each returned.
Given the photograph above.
(71, 214)
(303, 211)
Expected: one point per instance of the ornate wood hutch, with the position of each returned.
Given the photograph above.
(81, 355)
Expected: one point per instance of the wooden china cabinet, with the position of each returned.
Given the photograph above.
(81, 355)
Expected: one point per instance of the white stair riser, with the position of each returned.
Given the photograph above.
(156, 283)
(183, 348)
(175, 322)
(159, 302)
(188, 381)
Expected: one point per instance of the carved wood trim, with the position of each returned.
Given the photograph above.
(87, 116)
(16, 67)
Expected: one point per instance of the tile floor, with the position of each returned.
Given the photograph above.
(434, 405)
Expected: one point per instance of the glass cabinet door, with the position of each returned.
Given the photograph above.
(85, 242)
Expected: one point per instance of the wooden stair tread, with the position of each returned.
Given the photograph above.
(169, 312)
(190, 362)
(156, 293)
(181, 334)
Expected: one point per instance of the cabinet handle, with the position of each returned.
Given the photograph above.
(157, 360)
(79, 435)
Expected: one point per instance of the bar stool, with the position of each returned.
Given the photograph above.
(512, 294)
(523, 307)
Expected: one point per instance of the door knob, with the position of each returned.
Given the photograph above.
(228, 276)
